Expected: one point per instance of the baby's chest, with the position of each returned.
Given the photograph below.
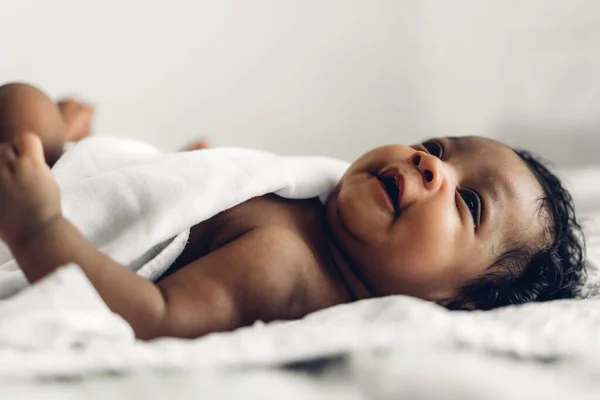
(230, 225)
(261, 212)
(300, 221)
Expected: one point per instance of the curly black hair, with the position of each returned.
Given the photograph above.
(529, 274)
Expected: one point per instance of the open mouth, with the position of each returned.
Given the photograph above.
(391, 181)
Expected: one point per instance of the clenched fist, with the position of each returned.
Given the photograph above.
(29, 195)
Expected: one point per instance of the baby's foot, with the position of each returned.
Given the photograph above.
(29, 195)
(77, 117)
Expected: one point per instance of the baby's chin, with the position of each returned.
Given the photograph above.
(358, 217)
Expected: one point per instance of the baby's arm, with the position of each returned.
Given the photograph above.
(228, 288)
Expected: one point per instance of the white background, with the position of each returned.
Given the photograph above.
(316, 77)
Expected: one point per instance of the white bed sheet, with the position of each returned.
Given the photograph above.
(556, 341)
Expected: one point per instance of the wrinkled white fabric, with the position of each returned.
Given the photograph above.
(137, 204)
(61, 326)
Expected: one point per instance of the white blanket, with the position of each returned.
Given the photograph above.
(137, 204)
(61, 326)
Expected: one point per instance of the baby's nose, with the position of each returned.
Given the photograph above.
(428, 167)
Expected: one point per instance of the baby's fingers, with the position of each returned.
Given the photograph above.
(29, 145)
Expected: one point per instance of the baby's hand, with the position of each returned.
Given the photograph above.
(29, 195)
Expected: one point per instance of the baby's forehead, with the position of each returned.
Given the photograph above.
(477, 145)
(491, 156)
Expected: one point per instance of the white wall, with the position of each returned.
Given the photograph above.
(312, 77)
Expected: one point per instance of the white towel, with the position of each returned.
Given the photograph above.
(137, 205)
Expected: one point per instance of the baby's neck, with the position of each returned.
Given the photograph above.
(345, 269)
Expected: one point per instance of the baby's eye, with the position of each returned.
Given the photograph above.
(434, 148)
(473, 203)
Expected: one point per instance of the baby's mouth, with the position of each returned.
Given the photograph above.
(393, 184)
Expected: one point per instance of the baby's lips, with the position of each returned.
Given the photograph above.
(392, 172)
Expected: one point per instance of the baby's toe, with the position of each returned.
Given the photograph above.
(199, 145)
(29, 145)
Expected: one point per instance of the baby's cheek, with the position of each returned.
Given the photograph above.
(431, 238)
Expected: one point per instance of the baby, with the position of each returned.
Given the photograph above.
(465, 222)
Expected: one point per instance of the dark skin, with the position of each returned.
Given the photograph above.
(272, 259)
(25, 108)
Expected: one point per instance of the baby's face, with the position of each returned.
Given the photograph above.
(427, 219)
